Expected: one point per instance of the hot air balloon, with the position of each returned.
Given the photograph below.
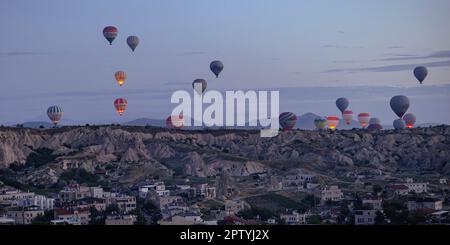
(375, 126)
(399, 124)
(133, 42)
(320, 123)
(120, 76)
(110, 33)
(410, 120)
(287, 120)
(420, 73)
(200, 82)
(120, 104)
(400, 105)
(55, 113)
(342, 104)
(374, 120)
(216, 67)
(347, 115)
(332, 122)
(363, 119)
(174, 121)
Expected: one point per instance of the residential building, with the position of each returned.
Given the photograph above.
(39, 201)
(125, 203)
(158, 187)
(329, 193)
(293, 218)
(187, 218)
(120, 220)
(374, 202)
(24, 216)
(425, 203)
(72, 217)
(365, 217)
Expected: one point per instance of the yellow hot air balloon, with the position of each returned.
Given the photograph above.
(121, 76)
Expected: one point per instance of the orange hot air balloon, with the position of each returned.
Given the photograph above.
(332, 122)
(120, 76)
(120, 104)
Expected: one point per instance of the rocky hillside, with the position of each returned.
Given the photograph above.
(237, 153)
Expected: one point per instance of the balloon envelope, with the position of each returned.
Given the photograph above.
(420, 73)
(120, 76)
(174, 121)
(110, 33)
(363, 119)
(374, 120)
(120, 104)
(332, 122)
(347, 115)
(375, 127)
(399, 105)
(133, 42)
(320, 123)
(287, 120)
(399, 124)
(410, 120)
(216, 67)
(342, 104)
(55, 113)
(199, 85)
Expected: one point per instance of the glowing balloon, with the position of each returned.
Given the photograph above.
(363, 119)
(410, 120)
(120, 76)
(332, 122)
(120, 104)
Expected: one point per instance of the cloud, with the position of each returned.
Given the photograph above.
(394, 47)
(400, 57)
(22, 53)
(189, 53)
(391, 68)
(332, 46)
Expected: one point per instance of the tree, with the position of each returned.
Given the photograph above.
(379, 218)
(44, 219)
(377, 189)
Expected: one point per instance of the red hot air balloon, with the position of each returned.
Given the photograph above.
(174, 121)
(110, 33)
(363, 119)
(332, 122)
(120, 76)
(287, 120)
(347, 116)
(120, 104)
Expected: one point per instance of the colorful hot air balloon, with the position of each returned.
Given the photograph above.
(110, 33)
(374, 120)
(375, 127)
(175, 121)
(55, 113)
(216, 67)
(363, 119)
(287, 120)
(120, 104)
(120, 76)
(342, 104)
(332, 122)
(399, 105)
(133, 42)
(410, 120)
(320, 123)
(420, 73)
(399, 124)
(347, 115)
(200, 82)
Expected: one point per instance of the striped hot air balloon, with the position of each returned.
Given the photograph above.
(332, 122)
(363, 119)
(287, 120)
(110, 33)
(347, 116)
(120, 104)
(120, 76)
(133, 42)
(55, 113)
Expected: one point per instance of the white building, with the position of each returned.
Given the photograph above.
(425, 203)
(373, 201)
(330, 193)
(40, 201)
(12, 196)
(120, 219)
(294, 218)
(24, 216)
(234, 206)
(158, 187)
(365, 217)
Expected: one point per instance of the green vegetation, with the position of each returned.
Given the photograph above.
(279, 203)
(81, 176)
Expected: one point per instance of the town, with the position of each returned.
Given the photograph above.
(257, 199)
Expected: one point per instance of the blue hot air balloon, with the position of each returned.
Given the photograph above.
(420, 73)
